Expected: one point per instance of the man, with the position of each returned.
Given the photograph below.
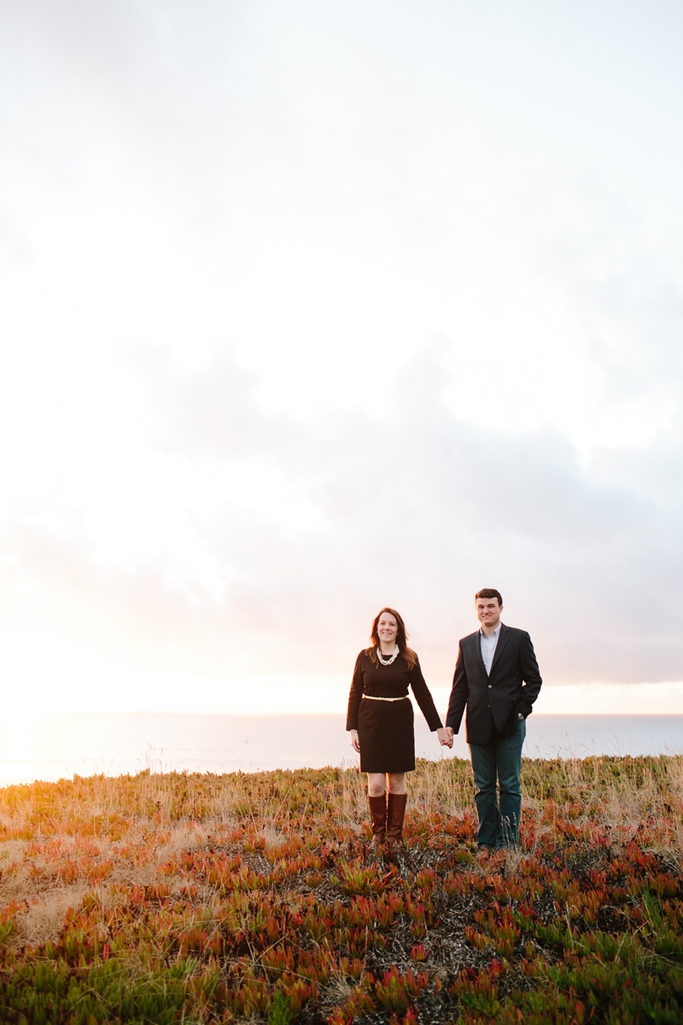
(497, 677)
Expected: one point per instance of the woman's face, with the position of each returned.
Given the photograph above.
(387, 628)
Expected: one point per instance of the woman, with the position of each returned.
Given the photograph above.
(380, 719)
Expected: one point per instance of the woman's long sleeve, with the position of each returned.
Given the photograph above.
(424, 698)
(355, 696)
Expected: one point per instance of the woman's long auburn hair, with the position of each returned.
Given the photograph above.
(401, 638)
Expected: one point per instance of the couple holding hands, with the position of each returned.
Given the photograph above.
(496, 678)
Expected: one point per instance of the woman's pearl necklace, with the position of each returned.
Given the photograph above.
(392, 658)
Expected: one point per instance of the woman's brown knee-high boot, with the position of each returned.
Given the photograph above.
(378, 816)
(396, 811)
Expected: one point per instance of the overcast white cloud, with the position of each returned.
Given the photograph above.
(312, 308)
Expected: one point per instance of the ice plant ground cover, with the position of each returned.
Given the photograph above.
(207, 899)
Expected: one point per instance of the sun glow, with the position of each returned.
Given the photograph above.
(323, 311)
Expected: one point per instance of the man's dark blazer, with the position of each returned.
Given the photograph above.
(511, 688)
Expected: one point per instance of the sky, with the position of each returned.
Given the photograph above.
(309, 309)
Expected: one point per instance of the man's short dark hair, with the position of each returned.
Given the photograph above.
(489, 592)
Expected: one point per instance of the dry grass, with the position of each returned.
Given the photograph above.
(56, 839)
(43, 920)
(163, 873)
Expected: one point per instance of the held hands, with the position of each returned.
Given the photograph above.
(445, 735)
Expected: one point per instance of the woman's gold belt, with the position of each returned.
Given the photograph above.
(373, 697)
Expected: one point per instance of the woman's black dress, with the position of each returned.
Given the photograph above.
(385, 728)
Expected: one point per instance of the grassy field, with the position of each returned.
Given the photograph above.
(206, 899)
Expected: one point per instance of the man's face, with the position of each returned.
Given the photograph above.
(488, 611)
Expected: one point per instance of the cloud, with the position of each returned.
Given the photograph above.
(419, 507)
(416, 508)
(313, 310)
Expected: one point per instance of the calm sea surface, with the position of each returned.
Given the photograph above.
(55, 746)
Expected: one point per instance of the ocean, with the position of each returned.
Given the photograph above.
(59, 745)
